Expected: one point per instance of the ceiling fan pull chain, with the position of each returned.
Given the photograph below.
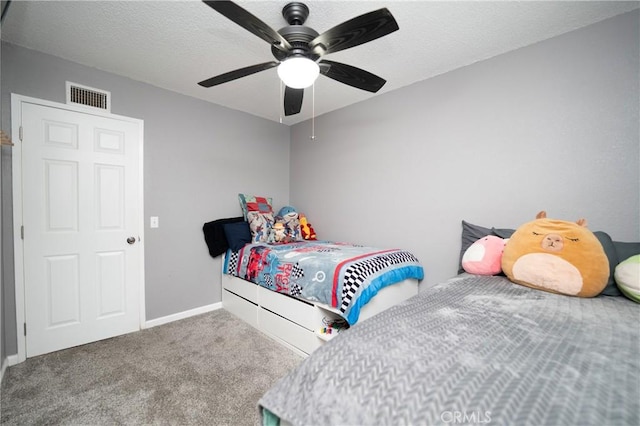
(313, 112)
(281, 100)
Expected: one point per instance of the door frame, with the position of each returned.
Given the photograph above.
(18, 242)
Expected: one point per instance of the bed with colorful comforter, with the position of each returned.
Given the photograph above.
(341, 275)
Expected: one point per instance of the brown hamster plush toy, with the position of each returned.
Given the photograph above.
(556, 256)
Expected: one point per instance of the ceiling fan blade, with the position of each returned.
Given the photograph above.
(292, 100)
(351, 76)
(354, 32)
(239, 73)
(249, 22)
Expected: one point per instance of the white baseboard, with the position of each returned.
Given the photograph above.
(7, 362)
(2, 369)
(183, 315)
(12, 360)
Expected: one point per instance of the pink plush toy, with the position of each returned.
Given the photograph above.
(484, 257)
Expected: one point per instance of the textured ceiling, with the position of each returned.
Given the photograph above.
(175, 44)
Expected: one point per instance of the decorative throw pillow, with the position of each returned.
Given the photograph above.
(484, 257)
(238, 234)
(260, 225)
(556, 256)
(252, 203)
(627, 275)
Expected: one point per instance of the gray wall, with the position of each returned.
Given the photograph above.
(553, 126)
(197, 158)
(3, 355)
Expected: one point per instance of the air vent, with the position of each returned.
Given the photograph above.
(88, 96)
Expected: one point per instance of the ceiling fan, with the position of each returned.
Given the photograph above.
(298, 49)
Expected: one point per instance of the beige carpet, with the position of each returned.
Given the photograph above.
(206, 370)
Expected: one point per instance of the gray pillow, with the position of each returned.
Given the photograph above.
(626, 250)
(616, 252)
(612, 255)
(503, 233)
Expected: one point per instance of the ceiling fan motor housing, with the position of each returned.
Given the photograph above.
(299, 37)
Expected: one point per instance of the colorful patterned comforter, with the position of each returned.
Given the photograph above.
(341, 275)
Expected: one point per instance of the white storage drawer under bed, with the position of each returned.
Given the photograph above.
(297, 311)
(242, 288)
(242, 308)
(284, 330)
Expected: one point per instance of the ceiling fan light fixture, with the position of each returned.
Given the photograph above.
(298, 72)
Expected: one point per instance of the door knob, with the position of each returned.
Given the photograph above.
(131, 240)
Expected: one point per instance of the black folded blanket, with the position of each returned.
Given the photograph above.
(214, 235)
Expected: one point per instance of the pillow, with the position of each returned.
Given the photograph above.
(260, 225)
(627, 276)
(503, 233)
(238, 234)
(611, 289)
(626, 250)
(484, 257)
(472, 233)
(214, 235)
(255, 204)
(556, 256)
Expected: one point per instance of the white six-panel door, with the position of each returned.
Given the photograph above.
(81, 216)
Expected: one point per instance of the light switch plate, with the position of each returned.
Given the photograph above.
(153, 222)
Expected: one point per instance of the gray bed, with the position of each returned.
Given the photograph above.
(473, 350)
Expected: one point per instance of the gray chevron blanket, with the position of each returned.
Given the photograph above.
(474, 350)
